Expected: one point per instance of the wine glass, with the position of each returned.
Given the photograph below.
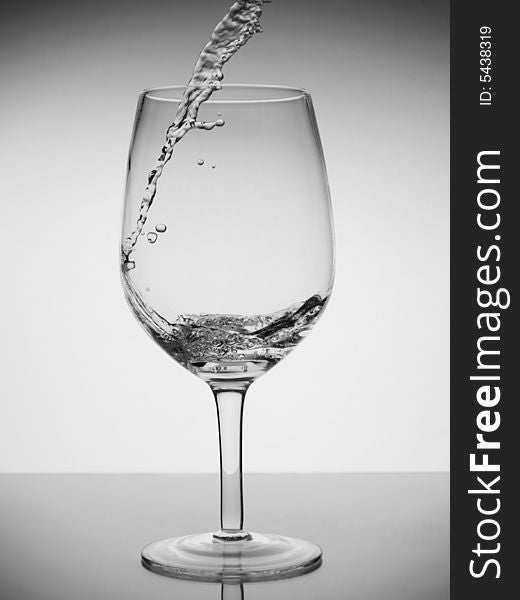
(228, 269)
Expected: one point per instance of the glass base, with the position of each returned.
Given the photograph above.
(202, 557)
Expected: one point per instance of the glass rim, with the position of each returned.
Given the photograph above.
(289, 93)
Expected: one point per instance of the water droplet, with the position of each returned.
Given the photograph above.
(200, 162)
(219, 114)
(152, 237)
(129, 265)
(160, 228)
(220, 122)
(213, 165)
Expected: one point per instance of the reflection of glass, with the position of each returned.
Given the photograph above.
(232, 592)
(232, 270)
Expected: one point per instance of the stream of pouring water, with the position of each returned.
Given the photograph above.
(240, 24)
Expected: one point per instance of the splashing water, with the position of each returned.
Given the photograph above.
(203, 343)
(238, 26)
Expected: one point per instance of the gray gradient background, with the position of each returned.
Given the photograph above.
(83, 388)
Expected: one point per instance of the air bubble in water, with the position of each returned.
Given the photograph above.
(213, 165)
(200, 162)
(220, 122)
(160, 228)
(129, 265)
(152, 237)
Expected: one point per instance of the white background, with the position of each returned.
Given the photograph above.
(83, 388)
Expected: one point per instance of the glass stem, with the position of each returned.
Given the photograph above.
(230, 406)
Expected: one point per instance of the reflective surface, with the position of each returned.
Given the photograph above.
(78, 537)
